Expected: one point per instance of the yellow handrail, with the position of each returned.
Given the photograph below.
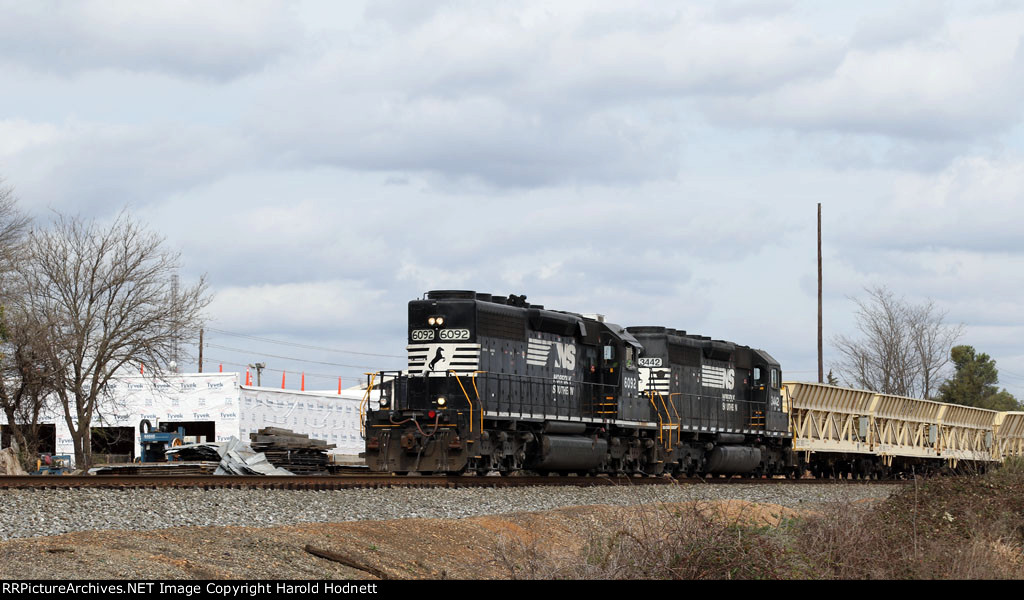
(464, 393)
(679, 420)
(477, 392)
(667, 415)
(650, 397)
(362, 405)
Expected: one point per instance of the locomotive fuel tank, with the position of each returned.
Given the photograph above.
(570, 453)
(733, 459)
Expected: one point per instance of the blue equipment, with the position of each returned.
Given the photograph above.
(155, 443)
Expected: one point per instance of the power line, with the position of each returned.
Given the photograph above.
(234, 364)
(318, 362)
(298, 345)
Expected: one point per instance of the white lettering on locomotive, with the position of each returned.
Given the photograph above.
(422, 335)
(562, 385)
(630, 385)
(566, 356)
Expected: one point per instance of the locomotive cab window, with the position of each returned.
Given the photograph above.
(757, 373)
(775, 379)
(629, 357)
(609, 352)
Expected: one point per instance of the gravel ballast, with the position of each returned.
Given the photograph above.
(33, 513)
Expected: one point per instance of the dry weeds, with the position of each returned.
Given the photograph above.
(943, 528)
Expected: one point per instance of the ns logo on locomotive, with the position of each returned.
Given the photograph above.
(497, 384)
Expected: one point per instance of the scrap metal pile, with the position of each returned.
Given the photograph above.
(233, 457)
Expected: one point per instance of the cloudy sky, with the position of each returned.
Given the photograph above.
(659, 162)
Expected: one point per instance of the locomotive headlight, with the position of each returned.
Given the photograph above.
(431, 321)
(439, 320)
(441, 401)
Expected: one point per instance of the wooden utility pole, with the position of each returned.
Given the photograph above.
(821, 366)
(200, 350)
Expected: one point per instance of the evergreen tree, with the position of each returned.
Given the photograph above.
(975, 382)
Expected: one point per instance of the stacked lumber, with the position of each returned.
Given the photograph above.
(296, 452)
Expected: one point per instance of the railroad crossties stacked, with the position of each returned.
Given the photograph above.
(296, 452)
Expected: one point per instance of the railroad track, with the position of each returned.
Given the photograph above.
(364, 481)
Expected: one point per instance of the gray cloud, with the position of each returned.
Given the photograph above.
(899, 24)
(189, 39)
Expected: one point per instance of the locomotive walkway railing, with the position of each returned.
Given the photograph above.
(707, 414)
(482, 392)
(501, 393)
(505, 393)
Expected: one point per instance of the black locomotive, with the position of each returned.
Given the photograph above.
(497, 384)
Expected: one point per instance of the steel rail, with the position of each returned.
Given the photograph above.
(372, 481)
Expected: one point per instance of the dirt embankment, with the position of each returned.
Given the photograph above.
(474, 548)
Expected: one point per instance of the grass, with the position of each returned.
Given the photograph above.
(940, 528)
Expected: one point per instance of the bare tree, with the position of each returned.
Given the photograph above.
(26, 383)
(22, 384)
(102, 299)
(13, 226)
(903, 349)
(933, 341)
